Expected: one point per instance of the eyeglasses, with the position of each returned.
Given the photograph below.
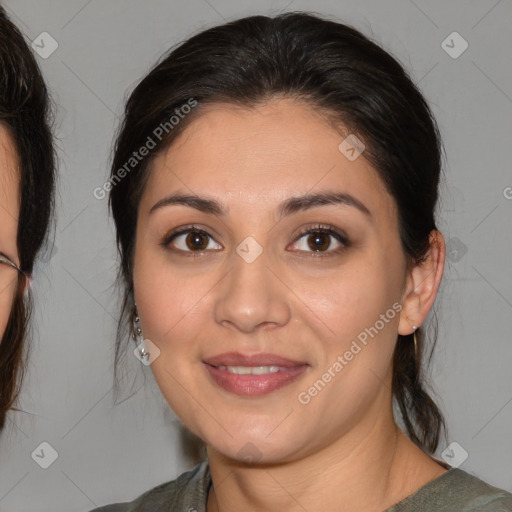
(8, 261)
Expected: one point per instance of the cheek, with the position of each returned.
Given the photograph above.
(169, 302)
(361, 310)
(354, 299)
(175, 311)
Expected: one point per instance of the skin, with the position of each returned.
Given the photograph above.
(289, 302)
(9, 212)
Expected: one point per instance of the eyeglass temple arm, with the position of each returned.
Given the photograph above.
(8, 261)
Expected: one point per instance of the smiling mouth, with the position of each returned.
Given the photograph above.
(253, 375)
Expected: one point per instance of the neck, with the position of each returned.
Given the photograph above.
(361, 471)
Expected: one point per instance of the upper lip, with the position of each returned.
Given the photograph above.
(264, 359)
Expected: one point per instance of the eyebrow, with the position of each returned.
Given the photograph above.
(288, 207)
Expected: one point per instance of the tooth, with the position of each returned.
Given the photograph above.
(250, 370)
(260, 370)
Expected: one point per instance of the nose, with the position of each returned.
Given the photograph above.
(251, 296)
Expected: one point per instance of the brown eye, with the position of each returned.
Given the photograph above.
(322, 240)
(190, 240)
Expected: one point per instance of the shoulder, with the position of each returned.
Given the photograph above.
(188, 491)
(479, 495)
(457, 490)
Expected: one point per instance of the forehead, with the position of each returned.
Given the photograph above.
(258, 155)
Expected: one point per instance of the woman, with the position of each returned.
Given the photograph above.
(273, 187)
(26, 197)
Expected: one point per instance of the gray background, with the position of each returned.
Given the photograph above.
(110, 453)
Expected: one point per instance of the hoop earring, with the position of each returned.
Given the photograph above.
(143, 354)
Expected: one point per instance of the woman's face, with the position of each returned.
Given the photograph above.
(247, 285)
(9, 212)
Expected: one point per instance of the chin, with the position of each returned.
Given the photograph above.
(254, 451)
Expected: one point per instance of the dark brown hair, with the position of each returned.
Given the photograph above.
(25, 113)
(339, 72)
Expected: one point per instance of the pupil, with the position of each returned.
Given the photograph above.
(317, 242)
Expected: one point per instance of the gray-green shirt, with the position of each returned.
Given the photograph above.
(453, 491)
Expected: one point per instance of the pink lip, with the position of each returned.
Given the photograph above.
(253, 385)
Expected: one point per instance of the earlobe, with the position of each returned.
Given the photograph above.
(422, 284)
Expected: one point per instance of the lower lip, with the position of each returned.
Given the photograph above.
(254, 385)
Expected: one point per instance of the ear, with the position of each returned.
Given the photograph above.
(422, 282)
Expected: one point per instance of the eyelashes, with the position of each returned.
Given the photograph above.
(319, 239)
